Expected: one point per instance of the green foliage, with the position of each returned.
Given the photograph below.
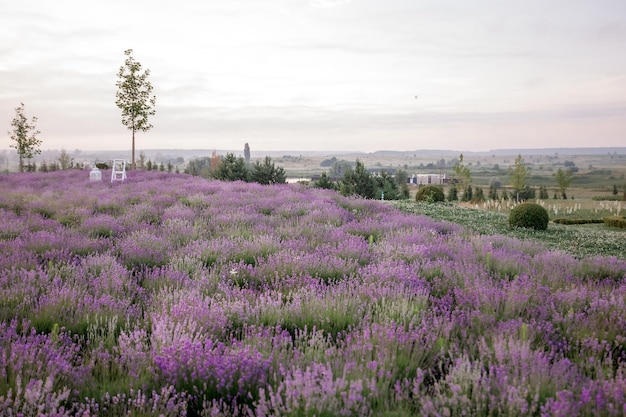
(529, 215)
(527, 193)
(479, 195)
(453, 194)
(134, 97)
(328, 162)
(615, 221)
(385, 186)
(24, 136)
(65, 160)
(267, 173)
(517, 175)
(590, 240)
(339, 168)
(325, 182)
(468, 194)
(462, 173)
(577, 221)
(430, 194)
(358, 181)
(493, 191)
(403, 184)
(563, 180)
(200, 167)
(607, 198)
(231, 168)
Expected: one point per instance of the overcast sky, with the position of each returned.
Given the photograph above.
(321, 74)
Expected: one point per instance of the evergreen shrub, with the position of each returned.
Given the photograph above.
(430, 193)
(530, 216)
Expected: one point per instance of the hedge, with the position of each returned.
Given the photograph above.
(577, 221)
(615, 221)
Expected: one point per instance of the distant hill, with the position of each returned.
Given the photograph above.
(529, 151)
(187, 154)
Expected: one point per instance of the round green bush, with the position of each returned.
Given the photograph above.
(430, 193)
(529, 215)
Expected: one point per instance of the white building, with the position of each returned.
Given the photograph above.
(426, 179)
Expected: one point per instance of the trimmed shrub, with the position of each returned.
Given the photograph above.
(615, 221)
(430, 193)
(530, 216)
(607, 198)
(578, 221)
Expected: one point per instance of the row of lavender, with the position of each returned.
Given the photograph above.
(173, 295)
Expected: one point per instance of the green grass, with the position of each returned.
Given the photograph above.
(578, 240)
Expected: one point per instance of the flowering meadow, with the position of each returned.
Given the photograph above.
(171, 295)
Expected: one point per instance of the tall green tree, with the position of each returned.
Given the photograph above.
(267, 172)
(385, 187)
(24, 136)
(231, 168)
(134, 97)
(358, 181)
(563, 180)
(463, 176)
(517, 175)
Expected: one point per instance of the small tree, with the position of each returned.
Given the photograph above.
(214, 162)
(479, 196)
(385, 187)
(358, 181)
(325, 182)
(231, 168)
(65, 160)
(468, 194)
(563, 180)
(493, 192)
(518, 175)
(142, 160)
(134, 97)
(24, 136)
(453, 194)
(403, 184)
(267, 173)
(462, 173)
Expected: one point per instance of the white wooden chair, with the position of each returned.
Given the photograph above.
(118, 170)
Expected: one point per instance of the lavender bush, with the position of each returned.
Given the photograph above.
(173, 295)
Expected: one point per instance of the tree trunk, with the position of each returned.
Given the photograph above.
(132, 162)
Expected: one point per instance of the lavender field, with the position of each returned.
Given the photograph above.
(171, 295)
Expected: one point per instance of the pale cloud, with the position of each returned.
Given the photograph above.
(328, 3)
(304, 74)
